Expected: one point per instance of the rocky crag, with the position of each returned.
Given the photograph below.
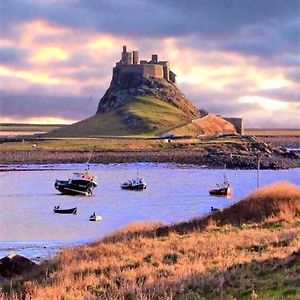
(125, 86)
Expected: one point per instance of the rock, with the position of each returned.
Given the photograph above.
(125, 86)
(14, 264)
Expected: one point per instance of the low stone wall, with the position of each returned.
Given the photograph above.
(237, 123)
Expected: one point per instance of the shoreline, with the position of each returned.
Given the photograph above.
(210, 159)
(230, 151)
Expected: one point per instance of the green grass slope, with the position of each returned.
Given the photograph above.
(138, 116)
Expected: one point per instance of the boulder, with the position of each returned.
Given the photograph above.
(14, 264)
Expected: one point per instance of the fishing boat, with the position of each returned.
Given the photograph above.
(213, 209)
(82, 183)
(95, 217)
(222, 189)
(70, 211)
(134, 184)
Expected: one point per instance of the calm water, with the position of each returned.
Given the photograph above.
(29, 226)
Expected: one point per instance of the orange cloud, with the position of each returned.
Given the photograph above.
(46, 54)
(37, 120)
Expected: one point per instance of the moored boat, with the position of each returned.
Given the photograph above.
(213, 209)
(82, 183)
(223, 189)
(95, 217)
(134, 184)
(70, 211)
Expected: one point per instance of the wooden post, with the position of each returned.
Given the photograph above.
(257, 174)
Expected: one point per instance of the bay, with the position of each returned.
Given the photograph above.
(174, 193)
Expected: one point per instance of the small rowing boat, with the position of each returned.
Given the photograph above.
(70, 211)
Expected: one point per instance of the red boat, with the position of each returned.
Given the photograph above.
(222, 189)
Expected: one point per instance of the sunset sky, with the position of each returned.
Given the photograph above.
(232, 57)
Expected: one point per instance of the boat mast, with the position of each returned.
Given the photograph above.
(88, 161)
(257, 172)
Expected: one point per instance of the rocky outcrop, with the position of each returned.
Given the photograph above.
(14, 265)
(124, 87)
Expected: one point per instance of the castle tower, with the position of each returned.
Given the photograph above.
(126, 57)
(166, 70)
(172, 76)
(154, 58)
(135, 57)
(123, 59)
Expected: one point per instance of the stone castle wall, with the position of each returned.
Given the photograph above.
(129, 63)
(155, 71)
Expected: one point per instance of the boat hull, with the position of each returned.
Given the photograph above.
(70, 211)
(220, 192)
(95, 218)
(74, 188)
(138, 187)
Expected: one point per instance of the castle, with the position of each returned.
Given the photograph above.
(130, 63)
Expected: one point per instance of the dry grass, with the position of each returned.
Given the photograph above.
(99, 144)
(27, 127)
(273, 132)
(212, 124)
(119, 143)
(209, 125)
(199, 264)
(281, 200)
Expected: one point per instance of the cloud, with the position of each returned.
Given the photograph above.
(63, 52)
(286, 94)
(13, 56)
(34, 105)
(156, 18)
(294, 75)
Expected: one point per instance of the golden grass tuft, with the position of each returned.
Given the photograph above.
(132, 230)
(280, 199)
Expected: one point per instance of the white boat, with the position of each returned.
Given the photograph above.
(134, 184)
(95, 217)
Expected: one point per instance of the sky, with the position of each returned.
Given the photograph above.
(236, 58)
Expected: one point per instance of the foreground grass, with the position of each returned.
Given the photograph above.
(200, 259)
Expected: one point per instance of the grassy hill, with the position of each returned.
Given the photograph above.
(139, 116)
